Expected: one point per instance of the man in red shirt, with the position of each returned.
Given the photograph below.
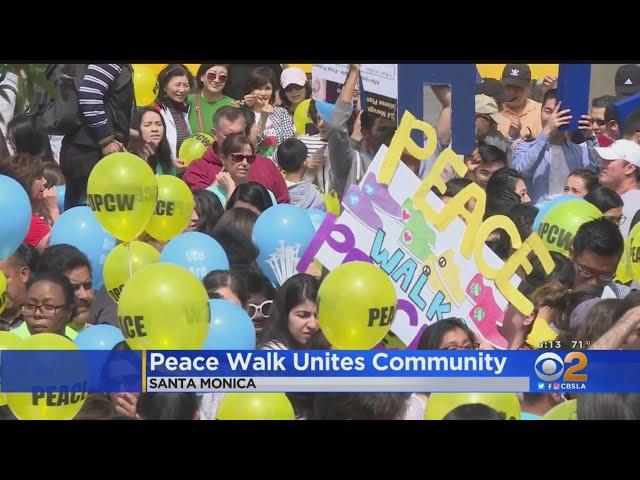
(202, 173)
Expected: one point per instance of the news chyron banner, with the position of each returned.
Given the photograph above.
(55, 373)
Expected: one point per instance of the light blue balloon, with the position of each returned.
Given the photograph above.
(282, 233)
(317, 217)
(547, 205)
(79, 227)
(61, 190)
(197, 252)
(99, 337)
(15, 216)
(230, 328)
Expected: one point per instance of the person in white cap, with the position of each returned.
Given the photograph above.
(620, 171)
(294, 88)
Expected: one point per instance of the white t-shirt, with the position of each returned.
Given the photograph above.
(559, 171)
(631, 205)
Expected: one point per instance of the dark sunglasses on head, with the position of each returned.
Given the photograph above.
(293, 88)
(213, 76)
(238, 157)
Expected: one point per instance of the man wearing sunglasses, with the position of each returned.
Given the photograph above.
(202, 173)
(598, 123)
(596, 251)
(620, 171)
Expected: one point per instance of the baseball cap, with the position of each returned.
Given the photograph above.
(628, 80)
(493, 88)
(518, 74)
(486, 105)
(325, 110)
(292, 75)
(627, 150)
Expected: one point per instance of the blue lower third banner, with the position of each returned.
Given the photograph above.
(42, 372)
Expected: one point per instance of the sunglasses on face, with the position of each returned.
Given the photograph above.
(293, 88)
(264, 308)
(213, 76)
(238, 157)
(599, 121)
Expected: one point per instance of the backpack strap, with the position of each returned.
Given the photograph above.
(199, 112)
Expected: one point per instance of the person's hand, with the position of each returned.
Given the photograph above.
(181, 167)
(250, 99)
(224, 180)
(548, 83)
(50, 200)
(474, 160)
(558, 119)
(268, 108)
(149, 149)
(584, 125)
(113, 147)
(125, 404)
(514, 128)
(316, 160)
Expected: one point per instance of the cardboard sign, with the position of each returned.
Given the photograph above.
(462, 77)
(379, 85)
(434, 253)
(574, 81)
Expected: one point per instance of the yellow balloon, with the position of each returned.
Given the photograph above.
(564, 411)
(193, 67)
(193, 147)
(356, 305)
(144, 83)
(124, 261)
(164, 307)
(122, 192)
(62, 403)
(301, 117)
(8, 341)
(174, 208)
(255, 406)
(3, 292)
(442, 403)
(633, 251)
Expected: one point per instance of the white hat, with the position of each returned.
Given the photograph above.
(293, 75)
(627, 150)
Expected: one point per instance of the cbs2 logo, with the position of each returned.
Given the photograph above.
(550, 367)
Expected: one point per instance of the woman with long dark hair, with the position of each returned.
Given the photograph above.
(153, 146)
(295, 315)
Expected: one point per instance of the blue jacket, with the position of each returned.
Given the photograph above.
(533, 161)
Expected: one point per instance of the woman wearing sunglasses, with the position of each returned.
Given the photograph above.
(237, 157)
(212, 80)
(261, 297)
(294, 88)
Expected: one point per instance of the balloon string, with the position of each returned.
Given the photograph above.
(130, 260)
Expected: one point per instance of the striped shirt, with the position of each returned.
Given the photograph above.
(91, 94)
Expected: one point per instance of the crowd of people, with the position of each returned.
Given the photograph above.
(522, 159)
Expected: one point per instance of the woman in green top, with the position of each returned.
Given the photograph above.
(153, 146)
(212, 80)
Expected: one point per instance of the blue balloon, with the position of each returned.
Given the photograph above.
(15, 216)
(230, 328)
(99, 337)
(61, 191)
(79, 227)
(197, 252)
(547, 205)
(317, 217)
(282, 233)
